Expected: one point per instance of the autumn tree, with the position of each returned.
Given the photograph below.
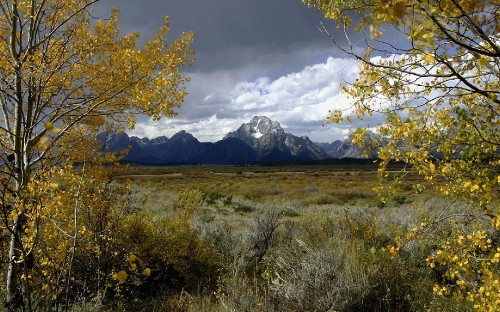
(65, 76)
(432, 67)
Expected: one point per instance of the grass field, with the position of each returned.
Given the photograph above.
(297, 238)
(298, 186)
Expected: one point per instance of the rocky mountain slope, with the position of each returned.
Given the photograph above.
(347, 149)
(261, 139)
(271, 142)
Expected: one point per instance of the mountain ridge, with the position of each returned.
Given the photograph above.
(259, 140)
(266, 137)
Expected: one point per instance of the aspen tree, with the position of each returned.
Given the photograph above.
(438, 86)
(65, 76)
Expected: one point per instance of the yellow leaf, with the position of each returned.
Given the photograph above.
(121, 276)
(428, 35)
(55, 130)
(49, 125)
(43, 141)
(133, 258)
(398, 9)
(432, 168)
(146, 272)
(483, 61)
(428, 58)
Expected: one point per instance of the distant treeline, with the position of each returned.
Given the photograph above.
(365, 163)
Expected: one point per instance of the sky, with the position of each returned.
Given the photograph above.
(253, 58)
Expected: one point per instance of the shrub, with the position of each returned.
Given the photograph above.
(243, 207)
(291, 212)
(399, 199)
(228, 201)
(322, 199)
(177, 256)
(263, 233)
(309, 279)
(220, 235)
(211, 198)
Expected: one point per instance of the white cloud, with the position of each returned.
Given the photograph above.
(300, 101)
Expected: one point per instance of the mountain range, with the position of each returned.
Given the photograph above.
(260, 140)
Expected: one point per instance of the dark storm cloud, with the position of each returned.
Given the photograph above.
(254, 57)
(229, 33)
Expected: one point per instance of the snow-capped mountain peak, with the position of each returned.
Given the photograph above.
(261, 125)
(266, 137)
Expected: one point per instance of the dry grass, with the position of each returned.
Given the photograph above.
(278, 185)
(324, 252)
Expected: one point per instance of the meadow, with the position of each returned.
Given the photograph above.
(281, 238)
(284, 185)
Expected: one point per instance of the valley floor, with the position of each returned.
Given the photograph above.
(297, 238)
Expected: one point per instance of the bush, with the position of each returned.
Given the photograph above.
(399, 199)
(307, 279)
(243, 207)
(178, 258)
(263, 233)
(337, 262)
(211, 198)
(220, 235)
(322, 199)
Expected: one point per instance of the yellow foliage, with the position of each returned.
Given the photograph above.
(121, 276)
(459, 122)
(432, 168)
(169, 246)
(65, 77)
(133, 259)
(49, 126)
(429, 58)
(391, 251)
(440, 99)
(398, 9)
(53, 234)
(189, 202)
(146, 272)
(471, 263)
